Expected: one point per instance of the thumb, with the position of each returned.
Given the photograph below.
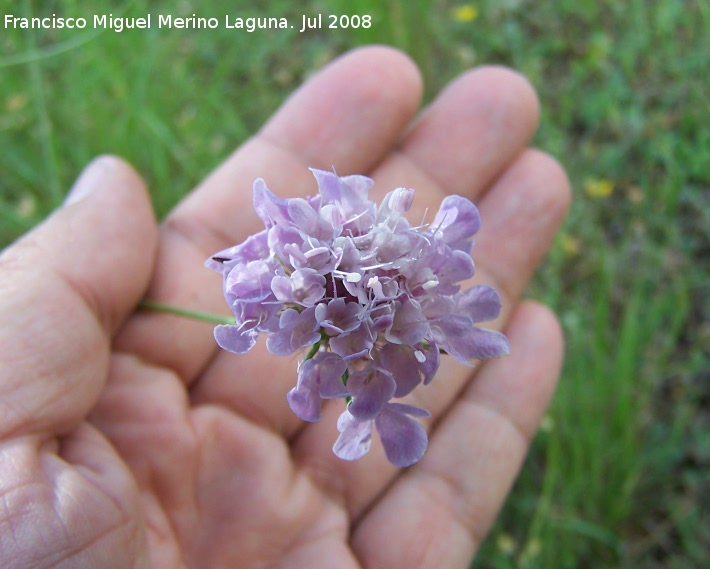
(65, 288)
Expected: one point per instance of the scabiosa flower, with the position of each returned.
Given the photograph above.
(371, 301)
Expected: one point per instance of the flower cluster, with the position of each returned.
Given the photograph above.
(368, 298)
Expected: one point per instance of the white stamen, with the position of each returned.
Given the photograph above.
(431, 283)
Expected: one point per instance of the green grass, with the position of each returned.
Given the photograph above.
(620, 470)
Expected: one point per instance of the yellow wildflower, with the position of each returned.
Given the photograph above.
(598, 189)
(570, 245)
(506, 544)
(465, 13)
(16, 102)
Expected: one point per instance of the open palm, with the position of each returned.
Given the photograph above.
(128, 439)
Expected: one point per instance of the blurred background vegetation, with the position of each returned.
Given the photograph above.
(619, 475)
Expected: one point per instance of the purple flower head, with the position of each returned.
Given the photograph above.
(369, 299)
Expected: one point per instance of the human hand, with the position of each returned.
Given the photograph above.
(128, 439)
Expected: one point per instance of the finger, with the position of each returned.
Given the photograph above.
(531, 198)
(467, 137)
(66, 288)
(343, 118)
(475, 454)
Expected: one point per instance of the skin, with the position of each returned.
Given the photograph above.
(128, 439)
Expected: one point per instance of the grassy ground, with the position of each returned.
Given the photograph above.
(620, 473)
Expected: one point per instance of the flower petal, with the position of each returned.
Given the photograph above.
(349, 194)
(409, 325)
(355, 437)
(468, 342)
(253, 248)
(305, 403)
(457, 219)
(487, 344)
(409, 410)
(403, 438)
(354, 344)
(234, 339)
(481, 303)
(430, 365)
(330, 369)
(303, 215)
(251, 281)
(303, 286)
(271, 209)
(401, 363)
(371, 390)
(297, 330)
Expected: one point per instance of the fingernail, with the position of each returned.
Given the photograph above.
(89, 179)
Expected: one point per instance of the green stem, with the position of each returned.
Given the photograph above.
(194, 314)
(313, 351)
(315, 347)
